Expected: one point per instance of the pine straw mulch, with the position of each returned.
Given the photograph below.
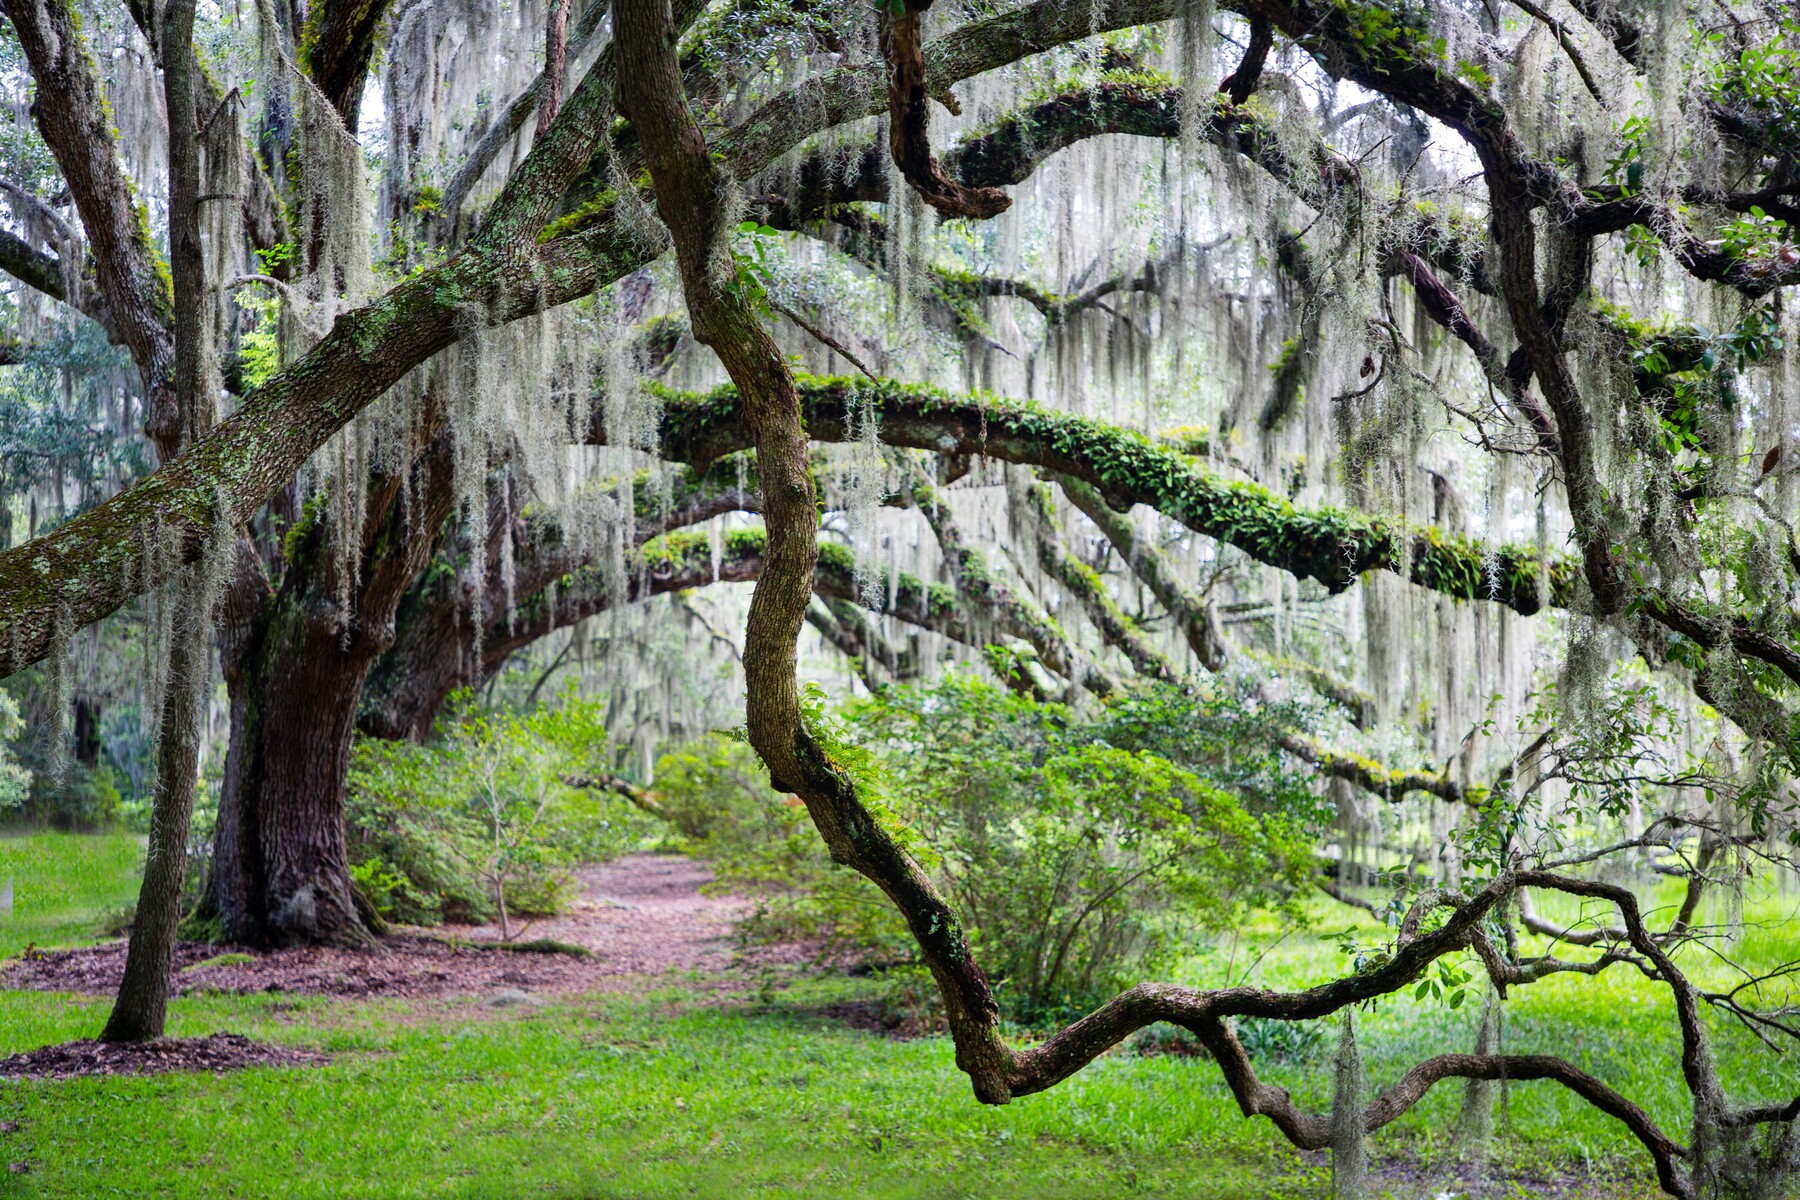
(215, 1052)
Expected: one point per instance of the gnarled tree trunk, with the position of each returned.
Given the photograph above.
(280, 871)
(296, 665)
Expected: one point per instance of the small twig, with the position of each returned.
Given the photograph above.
(820, 336)
(1562, 39)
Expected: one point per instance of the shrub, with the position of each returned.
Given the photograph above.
(488, 819)
(1078, 856)
(1079, 864)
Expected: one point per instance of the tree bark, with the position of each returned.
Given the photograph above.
(280, 872)
(138, 1012)
(296, 666)
(141, 1006)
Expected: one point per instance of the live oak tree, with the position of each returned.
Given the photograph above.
(1585, 286)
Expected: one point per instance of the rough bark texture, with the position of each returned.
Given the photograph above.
(296, 665)
(141, 1006)
(341, 39)
(139, 1010)
(280, 875)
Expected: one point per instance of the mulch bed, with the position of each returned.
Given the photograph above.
(401, 965)
(216, 1052)
(641, 916)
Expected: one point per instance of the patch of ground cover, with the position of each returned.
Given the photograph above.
(765, 1090)
(62, 883)
(215, 1052)
(618, 1095)
(657, 1094)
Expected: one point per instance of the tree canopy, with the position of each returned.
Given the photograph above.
(1418, 371)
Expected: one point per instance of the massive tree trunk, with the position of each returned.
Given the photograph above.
(296, 662)
(280, 872)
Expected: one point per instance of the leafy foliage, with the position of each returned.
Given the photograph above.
(483, 822)
(1079, 856)
(762, 845)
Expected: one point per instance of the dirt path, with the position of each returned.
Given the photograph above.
(642, 915)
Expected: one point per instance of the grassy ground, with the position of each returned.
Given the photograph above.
(681, 1088)
(61, 884)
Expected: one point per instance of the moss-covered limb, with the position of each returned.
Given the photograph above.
(1605, 210)
(849, 93)
(1193, 613)
(1331, 545)
(853, 92)
(74, 119)
(1197, 620)
(1710, 632)
(959, 288)
(994, 604)
(1084, 584)
(1368, 774)
(94, 563)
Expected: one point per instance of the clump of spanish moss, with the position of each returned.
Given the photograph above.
(1475, 1124)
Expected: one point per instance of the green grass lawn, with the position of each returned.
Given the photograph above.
(62, 883)
(684, 1089)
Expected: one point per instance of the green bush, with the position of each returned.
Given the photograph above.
(488, 819)
(1080, 858)
(1080, 865)
(66, 795)
(86, 798)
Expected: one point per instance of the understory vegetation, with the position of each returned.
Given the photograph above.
(1083, 851)
(675, 1085)
(486, 821)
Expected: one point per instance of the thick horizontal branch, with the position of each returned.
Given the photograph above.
(41, 271)
(1332, 545)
